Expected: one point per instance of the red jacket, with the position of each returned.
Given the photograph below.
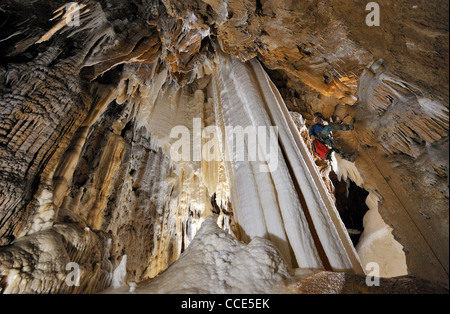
(320, 150)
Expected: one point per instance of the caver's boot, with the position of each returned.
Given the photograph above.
(351, 124)
(332, 143)
(343, 127)
(347, 127)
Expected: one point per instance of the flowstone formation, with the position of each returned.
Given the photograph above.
(115, 151)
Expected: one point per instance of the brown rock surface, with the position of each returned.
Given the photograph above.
(343, 283)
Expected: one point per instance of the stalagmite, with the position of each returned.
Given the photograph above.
(216, 262)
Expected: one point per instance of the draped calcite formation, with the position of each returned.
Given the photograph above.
(58, 260)
(87, 167)
(279, 207)
(412, 130)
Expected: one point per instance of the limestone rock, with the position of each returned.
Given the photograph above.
(87, 106)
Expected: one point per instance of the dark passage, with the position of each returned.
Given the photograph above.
(351, 204)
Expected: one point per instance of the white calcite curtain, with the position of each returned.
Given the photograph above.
(269, 203)
(274, 187)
